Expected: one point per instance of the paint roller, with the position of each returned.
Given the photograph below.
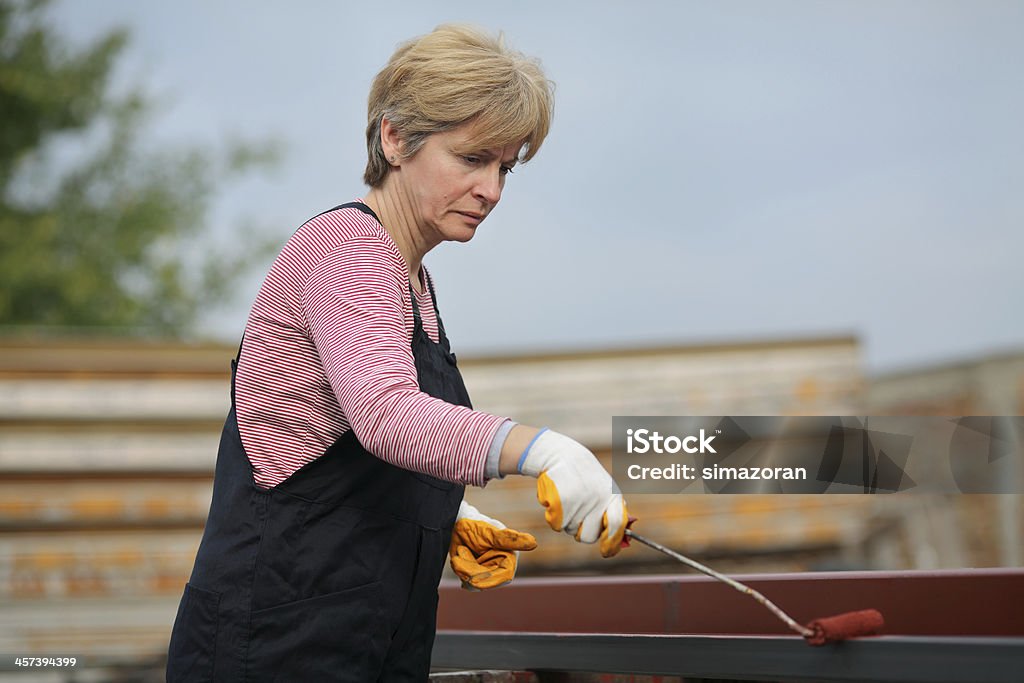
(817, 632)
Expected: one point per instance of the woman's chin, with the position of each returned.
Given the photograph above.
(460, 234)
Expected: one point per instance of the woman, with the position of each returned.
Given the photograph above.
(339, 480)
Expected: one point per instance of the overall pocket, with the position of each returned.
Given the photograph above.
(192, 650)
(338, 637)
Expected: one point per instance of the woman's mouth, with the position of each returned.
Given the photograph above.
(472, 217)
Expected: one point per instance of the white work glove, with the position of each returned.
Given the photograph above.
(578, 494)
(484, 553)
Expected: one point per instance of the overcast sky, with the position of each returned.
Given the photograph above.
(717, 171)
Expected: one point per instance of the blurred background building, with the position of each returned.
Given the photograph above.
(107, 452)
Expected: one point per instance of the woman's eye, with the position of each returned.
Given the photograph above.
(505, 170)
(471, 159)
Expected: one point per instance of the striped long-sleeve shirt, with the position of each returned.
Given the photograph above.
(327, 348)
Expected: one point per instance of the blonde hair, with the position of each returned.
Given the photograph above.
(454, 75)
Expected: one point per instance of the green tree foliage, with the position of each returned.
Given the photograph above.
(107, 233)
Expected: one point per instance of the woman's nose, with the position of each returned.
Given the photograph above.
(488, 189)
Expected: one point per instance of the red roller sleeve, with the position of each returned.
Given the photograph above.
(866, 622)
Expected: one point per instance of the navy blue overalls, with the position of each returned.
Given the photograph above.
(330, 576)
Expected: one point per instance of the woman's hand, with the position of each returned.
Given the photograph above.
(577, 493)
(484, 553)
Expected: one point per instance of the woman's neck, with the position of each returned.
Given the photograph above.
(395, 211)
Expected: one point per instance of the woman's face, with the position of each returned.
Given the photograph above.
(449, 187)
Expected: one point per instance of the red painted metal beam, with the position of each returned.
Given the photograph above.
(982, 602)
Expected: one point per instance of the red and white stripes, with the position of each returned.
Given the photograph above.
(328, 349)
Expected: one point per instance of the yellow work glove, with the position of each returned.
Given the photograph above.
(577, 493)
(483, 552)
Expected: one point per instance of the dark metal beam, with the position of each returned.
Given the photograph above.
(759, 658)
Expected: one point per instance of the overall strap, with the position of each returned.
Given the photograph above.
(238, 355)
(433, 297)
(415, 309)
(351, 205)
(234, 367)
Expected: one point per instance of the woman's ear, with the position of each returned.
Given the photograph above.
(390, 142)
